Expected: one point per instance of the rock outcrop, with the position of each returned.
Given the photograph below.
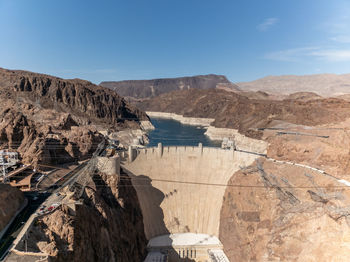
(92, 103)
(106, 226)
(285, 213)
(51, 120)
(11, 200)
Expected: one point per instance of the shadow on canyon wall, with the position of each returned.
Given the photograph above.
(153, 205)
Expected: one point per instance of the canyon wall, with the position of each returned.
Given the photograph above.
(50, 120)
(285, 213)
(104, 224)
(12, 200)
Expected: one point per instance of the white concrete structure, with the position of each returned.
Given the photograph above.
(185, 239)
(7, 159)
(181, 189)
(228, 143)
(242, 142)
(196, 247)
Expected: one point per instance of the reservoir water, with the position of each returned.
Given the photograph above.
(172, 133)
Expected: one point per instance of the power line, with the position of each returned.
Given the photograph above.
(135, 180)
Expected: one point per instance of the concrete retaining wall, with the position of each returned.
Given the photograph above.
(181, 189)
(242, 142)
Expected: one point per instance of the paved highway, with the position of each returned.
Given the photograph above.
(35, 200)
(20, 220)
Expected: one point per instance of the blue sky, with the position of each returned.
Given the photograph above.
(143, 39)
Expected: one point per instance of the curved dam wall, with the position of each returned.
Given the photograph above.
(181, 189)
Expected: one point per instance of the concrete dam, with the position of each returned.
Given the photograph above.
(180, 190)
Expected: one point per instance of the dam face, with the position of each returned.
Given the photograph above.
(181, 189)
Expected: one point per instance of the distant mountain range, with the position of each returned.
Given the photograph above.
(321, 84)
(141, 89)
(327, 85)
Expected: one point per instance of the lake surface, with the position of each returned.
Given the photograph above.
(172, 133)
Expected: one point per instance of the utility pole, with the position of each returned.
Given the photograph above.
(2, 163)
(26, 240)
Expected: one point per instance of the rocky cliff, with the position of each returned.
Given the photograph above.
(52, 120)
(278, 212)
(11, 200)
(106, 226)
(92, 103)
(150, 88)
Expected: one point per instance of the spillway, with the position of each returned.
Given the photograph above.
(181, 189)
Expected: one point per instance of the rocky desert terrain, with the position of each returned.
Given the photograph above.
(326, 85)
(106, 226)
(12, 200)
(279, 212)
(232, 110)
(49, 120)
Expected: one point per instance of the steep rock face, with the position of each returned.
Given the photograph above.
(49, 120)
(15, 127)
(38, 143)
(107, 226)
(114, 210)
(285, 213)
(78, 97)
(155, 87)
(11, 201)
